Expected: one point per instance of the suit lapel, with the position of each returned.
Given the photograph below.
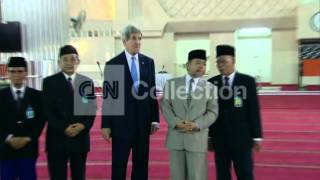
(218, 81)
(142, 64)
(127, 73)
(198, 91)
(142, 68)
(25, 98)
(12, 101)
(64, 85)
(235, 81)
(237, 86)
(181, 82)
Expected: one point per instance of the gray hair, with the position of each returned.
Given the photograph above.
(128, 30)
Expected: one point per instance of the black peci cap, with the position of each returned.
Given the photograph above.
(67, 49)
(197, 54)
(225, 50)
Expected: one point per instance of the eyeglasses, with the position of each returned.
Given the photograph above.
(224, 60)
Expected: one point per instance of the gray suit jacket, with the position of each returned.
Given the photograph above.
(203, 110)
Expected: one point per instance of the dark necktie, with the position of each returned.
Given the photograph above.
(19, 99)
(189, 98)
(226, 88)
(226, 81)
(70, 84)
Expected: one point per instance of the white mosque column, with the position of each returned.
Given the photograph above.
(122, 15)
(308, 27)
(284, 57)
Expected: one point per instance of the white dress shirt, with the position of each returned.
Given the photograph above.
(73, 76)
(194, 84)
(231, 78)
(14, 91)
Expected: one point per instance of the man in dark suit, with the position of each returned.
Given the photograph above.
(21, 124)
(238, 128)
(131, 117)
(70, 116)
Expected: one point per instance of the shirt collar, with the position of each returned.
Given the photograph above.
(14, 89)
(188, 78)
(129, 56)
(231, 76)
(67, 76)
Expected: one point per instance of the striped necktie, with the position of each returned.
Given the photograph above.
(190, 92)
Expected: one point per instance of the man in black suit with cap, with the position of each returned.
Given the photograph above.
(70, 109)
(238, 128)
(21, 124)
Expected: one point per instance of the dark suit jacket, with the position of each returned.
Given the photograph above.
(60, 112)
(236, 127)
(28, 126)
(138, 114)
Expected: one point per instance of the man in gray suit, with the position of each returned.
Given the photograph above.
(189, 105)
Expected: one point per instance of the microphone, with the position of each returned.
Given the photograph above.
(101, 77)
(101, 74)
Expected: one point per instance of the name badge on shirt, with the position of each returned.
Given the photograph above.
(29, 113)
(238, 101)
